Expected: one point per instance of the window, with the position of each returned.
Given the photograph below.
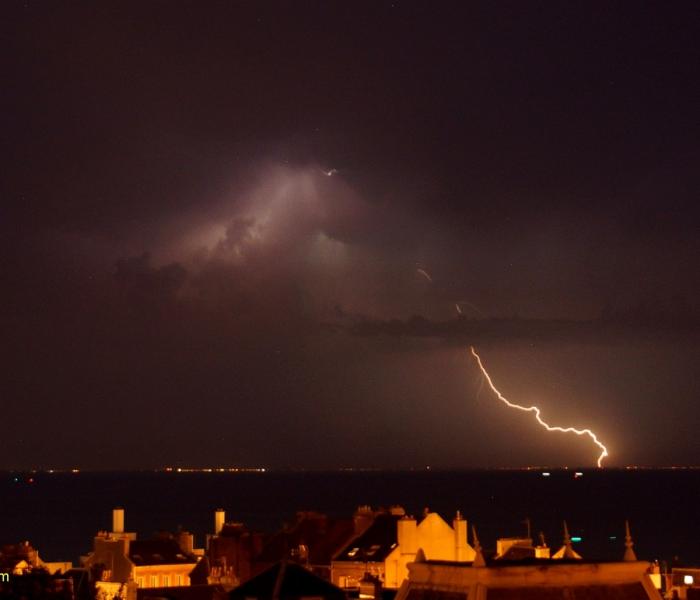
(154, 581)
(166, 580)
(179, 579)
(139, 581)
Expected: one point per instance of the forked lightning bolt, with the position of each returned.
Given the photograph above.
(536, 410)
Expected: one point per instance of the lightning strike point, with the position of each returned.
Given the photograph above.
(537, 412)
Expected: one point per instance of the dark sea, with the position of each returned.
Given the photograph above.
(60, 513)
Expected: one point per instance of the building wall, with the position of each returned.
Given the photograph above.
(112, 553)
(682, 580)
(347, 574)
(55, 567)
(150, 576)
(434, 537)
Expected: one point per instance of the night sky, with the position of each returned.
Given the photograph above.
(241, 233)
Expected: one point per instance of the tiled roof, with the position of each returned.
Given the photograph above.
(322, 536)
(286, 580)
(375, 544)
(158, 552)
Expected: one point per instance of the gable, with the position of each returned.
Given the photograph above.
(436, 538)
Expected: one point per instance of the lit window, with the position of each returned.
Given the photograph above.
(154, 581)
(139, 581)
(688, 579)
(179, 579)
(166, 580)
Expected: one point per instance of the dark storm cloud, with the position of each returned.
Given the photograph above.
(142, 280)
(177, 266)
(637, 323)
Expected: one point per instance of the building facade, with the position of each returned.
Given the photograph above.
(392, 541)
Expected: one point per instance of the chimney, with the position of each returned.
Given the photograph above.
(407, 535)
(219, 520)
(186, 542)
(118, 520)
(459, 524)
(362, 519)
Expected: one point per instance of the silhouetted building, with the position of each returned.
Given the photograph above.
(313, 540)
(230, 553)
(38, 584)
(23, 558)
(287, 581)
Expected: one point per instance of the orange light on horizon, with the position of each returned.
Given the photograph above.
(536, 410)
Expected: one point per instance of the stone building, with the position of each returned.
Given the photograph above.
(392, 541)
(122, 564)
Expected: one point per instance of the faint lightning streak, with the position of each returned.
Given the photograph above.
(475, 308)
(425, 274)
(536, 410)
(329, 173)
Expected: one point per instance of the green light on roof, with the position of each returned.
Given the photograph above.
(576, 538)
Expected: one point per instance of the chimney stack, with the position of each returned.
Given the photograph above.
(186, 542)
(407, 535)
(118, 520)
(459, 524)
(219, 520)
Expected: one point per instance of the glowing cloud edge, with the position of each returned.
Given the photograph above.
(536, 410)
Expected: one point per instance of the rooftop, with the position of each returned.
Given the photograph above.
(375, 544)
(157, 552)
(286, 580)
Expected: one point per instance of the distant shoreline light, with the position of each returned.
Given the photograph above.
(541, 469)
(214, 469)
